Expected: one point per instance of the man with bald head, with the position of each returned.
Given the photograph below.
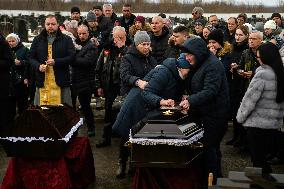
(83, 75)
(159, 35)
(110, 60)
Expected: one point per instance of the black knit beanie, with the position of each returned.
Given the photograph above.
(217, 35)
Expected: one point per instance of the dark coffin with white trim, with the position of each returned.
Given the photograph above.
(41, 132)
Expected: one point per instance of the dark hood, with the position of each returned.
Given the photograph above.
(198, 48)
(170, 63)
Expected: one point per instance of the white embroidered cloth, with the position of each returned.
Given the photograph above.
(43, 139)
(174, 142)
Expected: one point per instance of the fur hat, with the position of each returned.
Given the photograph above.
(140, 37)
(91, 17)
(140, 19)
(182, 62)
(75, 9)
(217, 35)
(270, 24)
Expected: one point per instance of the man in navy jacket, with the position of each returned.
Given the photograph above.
(209, 97)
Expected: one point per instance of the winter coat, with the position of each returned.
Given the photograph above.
(63, 53)
(247, 62)
(20, 72)
(228, 37)
(83, 68)
(108, 64)
(159, 45)
(114, 18)
(236, 92)
(134, 66)
(6, 61)
(209, 95)
(128, 24)
(259, 108)
(224, 55)
(163, 83)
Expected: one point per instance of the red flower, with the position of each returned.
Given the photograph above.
(106, 52)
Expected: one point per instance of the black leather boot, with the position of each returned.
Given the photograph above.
(120, 174)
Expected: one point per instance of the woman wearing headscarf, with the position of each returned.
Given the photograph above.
(262, 107)
(19, 71)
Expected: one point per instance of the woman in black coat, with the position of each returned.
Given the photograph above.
(19, 71)
(6, 62)
(240, 44)
(136, 63)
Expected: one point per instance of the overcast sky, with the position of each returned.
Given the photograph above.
(264, 2)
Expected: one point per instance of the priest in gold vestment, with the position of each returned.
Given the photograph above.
(51, 54)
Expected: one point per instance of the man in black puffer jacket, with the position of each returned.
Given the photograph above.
(209, 98)
(83, 75)
(8, 103)
(159, 39)
(63, 52)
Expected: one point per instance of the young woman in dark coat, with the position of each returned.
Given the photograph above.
(19, 72)
(240, 44)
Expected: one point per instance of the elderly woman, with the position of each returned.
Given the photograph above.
(19, 71)
(262, 107)
(163, 88)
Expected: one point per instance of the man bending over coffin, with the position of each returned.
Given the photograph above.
(163, 89)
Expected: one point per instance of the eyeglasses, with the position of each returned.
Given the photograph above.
(194, 13)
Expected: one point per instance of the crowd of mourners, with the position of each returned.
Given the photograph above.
(221, 72)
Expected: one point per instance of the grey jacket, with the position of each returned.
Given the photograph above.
(259, 108)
